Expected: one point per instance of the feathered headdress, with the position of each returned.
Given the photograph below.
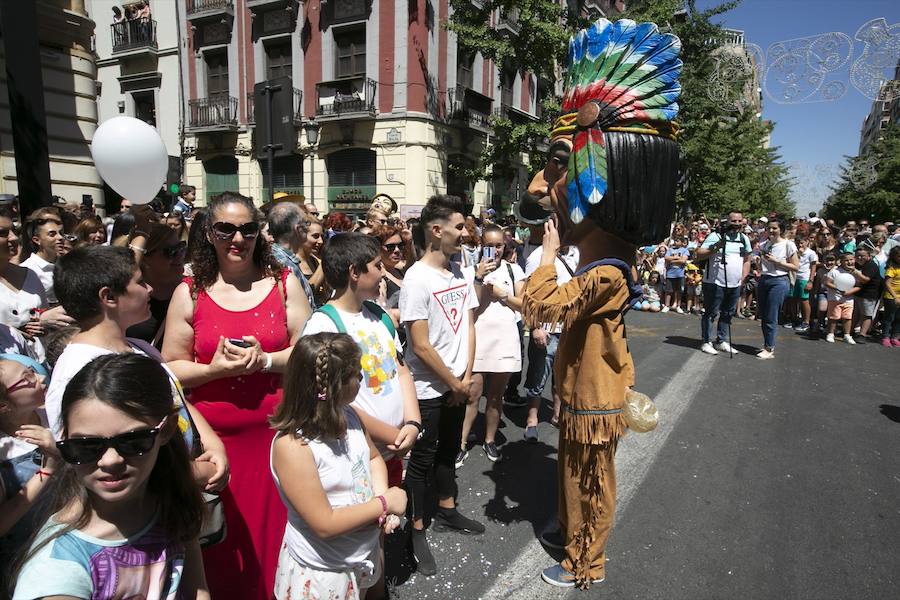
(621, 76)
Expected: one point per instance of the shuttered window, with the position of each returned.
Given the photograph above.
(351, 167)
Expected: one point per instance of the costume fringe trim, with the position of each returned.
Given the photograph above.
(586, 461)
(540, 313)
(592, 429)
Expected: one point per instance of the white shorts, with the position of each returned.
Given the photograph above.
(293, 580)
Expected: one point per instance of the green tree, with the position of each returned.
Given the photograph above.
(727, 165)
(869, 186)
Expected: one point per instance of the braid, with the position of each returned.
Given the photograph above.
(322, 383)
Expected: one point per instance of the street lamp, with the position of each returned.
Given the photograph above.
(312, 138)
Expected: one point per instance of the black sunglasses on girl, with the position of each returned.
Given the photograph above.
(4, 231)
(173, 251)
(226, 231)
(392, 247)
(79, 451)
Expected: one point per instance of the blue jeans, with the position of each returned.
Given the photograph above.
(718, 301)
(890, 323)
(770, 295)
(540, 365)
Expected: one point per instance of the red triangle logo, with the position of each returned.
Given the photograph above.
(453, 302)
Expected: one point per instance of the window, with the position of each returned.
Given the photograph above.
(507, 79)
(351, 53)
(354, 166)
(287, 174)
(216, 73)
(464, 62)
(278, 60)
(145, 107)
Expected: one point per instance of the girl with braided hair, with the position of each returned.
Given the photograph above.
(330, 476)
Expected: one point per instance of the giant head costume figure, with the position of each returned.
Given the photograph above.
(613, 158)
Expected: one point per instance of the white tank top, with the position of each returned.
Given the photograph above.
(344, 471)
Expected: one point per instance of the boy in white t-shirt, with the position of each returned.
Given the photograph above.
(798, 299)
(436, 305)
(840, 301)
(386, 403)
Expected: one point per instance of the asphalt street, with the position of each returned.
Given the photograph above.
(774, 479)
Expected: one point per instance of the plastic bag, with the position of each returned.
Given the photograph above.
(640, 412)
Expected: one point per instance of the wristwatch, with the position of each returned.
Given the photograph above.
(418, 426)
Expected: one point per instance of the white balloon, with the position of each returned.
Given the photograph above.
(131, 158)
(844, 281)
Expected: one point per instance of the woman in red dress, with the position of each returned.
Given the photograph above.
(239, 293)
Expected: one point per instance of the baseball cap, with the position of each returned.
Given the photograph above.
(704, 227)
(763, 220)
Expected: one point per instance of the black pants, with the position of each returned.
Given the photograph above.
(436, 449)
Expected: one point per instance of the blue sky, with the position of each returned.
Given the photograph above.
(813, 136)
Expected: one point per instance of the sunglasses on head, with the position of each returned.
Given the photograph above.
(226, 231)
(79, 451)
(55, 221)
(173, 251)
(70, 238)
(392, 247)
(4, 231)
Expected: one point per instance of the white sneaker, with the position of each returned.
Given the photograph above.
(664, 309)
(679, 310)
(849, 339)
(765, 354)
(708, 348)
(725, 347)
(829, 338)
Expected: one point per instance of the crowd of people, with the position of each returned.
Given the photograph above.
(808, 275)
(236, 402)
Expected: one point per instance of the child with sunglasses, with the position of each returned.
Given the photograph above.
(330, 476)
(123, 514)
(28, 454)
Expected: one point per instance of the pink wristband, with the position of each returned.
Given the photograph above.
(384, 511)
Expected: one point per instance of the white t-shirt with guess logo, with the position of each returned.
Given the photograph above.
(444, 299)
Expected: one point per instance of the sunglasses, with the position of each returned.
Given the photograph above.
(226, 231)
(70, 238)
(176, 250)
(392, 247)
(79, 451)
(5, 231)
(29, 380)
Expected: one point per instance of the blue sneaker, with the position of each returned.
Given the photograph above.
(559, 577)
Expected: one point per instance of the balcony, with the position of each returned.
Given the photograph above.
(215, 113)
(518, 117)
(255, 5)
(509, 22)
(133, 37)
(346, 98)
(297, 110)
(469, 108)
(199, 10)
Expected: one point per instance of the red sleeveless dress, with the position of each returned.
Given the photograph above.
(238, 408)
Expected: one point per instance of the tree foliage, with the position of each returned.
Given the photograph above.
(726, 163)
(861, 193)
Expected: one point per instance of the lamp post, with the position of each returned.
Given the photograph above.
(312, 138)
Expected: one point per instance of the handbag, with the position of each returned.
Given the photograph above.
(214, 528)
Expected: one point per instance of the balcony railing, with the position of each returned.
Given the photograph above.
(215, 112)
(506, 111)
(209, 8)
(133, 35)
(509, 21)
(346, 97)
(297, 114)
(473, 114)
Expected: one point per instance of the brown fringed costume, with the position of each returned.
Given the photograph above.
(594, 370)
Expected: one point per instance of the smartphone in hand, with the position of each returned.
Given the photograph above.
(239, 343)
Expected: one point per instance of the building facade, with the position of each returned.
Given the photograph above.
(68, 73)
(885, 111)
(393, 105)
(139, 70)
